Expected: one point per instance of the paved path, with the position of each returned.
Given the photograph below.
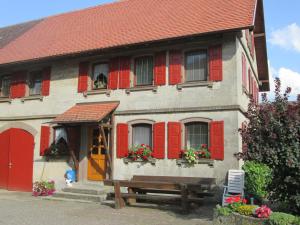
(22, 209)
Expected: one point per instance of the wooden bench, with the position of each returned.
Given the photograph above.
(183, 189)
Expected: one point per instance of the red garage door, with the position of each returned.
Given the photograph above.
(16, 157)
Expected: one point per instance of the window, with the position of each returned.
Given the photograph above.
(99, 76)
(5, 86)
(35, 83)
(142, 134)
(144, 70)
(196, 134)
(196, 66)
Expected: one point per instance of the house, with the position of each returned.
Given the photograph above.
(171, 74)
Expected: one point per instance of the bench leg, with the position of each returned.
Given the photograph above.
(119, 202)
(131, 200)
(184, 198)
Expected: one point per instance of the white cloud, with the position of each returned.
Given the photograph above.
(287, 37)
(288, 77)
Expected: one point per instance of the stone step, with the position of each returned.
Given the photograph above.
(78, 196)
(83, 191)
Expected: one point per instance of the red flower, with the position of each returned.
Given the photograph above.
(245, 201)
(229, 200)
(204, 146)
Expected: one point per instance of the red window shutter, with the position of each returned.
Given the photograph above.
(215, 63)
(252, 44)
(244, 71)
(83, 77)
(18, 86)
(46, 81)
(124, 75)
(160, 69)
(217, 140)
(174, 140)
(175, 63)
(113, 77)
(122, 140)
(45, 140)
(249, 81)
(159, 140)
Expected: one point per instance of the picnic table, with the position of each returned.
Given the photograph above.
(170, 188)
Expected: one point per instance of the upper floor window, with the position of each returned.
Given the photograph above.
(5, 86)
(99, 76)
(196, 66)
(144, 70)
(142, 134)
(35, 83)
(196, 134)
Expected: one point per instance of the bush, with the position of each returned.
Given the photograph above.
(257, 178)
(43, 188)
(271, 137)
(223, 211)
(246, 210)
(278, 218)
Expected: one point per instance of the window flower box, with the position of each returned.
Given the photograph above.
(140, 153)
(194, 156)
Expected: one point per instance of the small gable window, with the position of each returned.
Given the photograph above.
(142, 134)
(99, 76)
(35, 83)
(196, 134)
(5, 86)
(144, 70)
(196, 66)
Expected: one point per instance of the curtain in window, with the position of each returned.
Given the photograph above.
(196, 134)
(142, 134)
(196, 66)
(60, 133)
(144, 70)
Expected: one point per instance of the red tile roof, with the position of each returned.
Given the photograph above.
(127, 22)
(86, 113)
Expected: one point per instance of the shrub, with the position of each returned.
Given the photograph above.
(257, 178)
(278, 218)
(272, 137)
(223, 211)
(246, 210)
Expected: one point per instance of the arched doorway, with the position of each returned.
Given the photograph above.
(16, 159)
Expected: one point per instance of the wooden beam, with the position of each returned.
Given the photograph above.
(105, 146)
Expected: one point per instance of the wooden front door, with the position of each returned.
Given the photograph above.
(17, 163)
(97, 156)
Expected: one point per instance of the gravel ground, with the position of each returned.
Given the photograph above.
(22, 209)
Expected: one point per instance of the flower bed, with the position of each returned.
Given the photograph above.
(43, 188)
(239, 213)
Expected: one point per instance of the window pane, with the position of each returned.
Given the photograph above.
(196, 66)
(142, 134)
(100, 75)
(144, 70)
(5, 87)
(35, 83)
(196, 134)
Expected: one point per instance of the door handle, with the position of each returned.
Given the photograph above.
(10, 165)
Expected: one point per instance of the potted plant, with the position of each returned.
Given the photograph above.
(43, 188)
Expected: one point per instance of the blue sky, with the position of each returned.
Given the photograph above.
(282, 24)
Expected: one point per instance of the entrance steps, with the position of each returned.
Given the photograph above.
(81, 192)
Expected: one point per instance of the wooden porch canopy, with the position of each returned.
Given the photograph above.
(86, 113)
